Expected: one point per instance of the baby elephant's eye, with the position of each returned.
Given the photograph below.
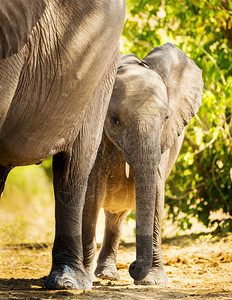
(166, 116)
(114, 120)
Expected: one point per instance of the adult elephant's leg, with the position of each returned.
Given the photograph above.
(157, 274)
(69, 185)
(106, 263)
(93, 200)
(71, 172)
(3, 175)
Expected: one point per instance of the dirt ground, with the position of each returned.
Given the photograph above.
(198, 266)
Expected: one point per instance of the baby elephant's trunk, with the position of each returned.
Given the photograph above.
(145, 187)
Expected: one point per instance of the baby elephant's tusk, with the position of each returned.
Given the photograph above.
(127, 170)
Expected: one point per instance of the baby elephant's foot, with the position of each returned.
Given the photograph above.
(67, 278)
(108, 271)
(156, 276)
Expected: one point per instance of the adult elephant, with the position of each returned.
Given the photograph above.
(152, 101)
(54, 93)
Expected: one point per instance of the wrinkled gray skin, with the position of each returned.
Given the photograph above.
(54, 94)
(152, 101)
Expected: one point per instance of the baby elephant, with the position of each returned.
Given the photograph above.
(152, 101)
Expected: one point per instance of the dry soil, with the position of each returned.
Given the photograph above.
(198, 266)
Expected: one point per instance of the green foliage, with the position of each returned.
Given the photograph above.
(139, 35)
(201, 180)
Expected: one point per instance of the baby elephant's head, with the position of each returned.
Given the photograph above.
(152, 101)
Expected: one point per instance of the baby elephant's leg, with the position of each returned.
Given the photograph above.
(93, 202)
(106, 263)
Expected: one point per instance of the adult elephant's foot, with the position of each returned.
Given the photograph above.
(107, 271)
(156, 276)
(68, 278)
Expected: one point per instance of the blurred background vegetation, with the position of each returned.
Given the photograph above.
(200, 183)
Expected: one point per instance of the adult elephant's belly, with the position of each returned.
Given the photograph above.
(31, 131)
(46, 112)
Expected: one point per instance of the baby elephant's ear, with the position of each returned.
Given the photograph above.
(17, 19)
(183, 80)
